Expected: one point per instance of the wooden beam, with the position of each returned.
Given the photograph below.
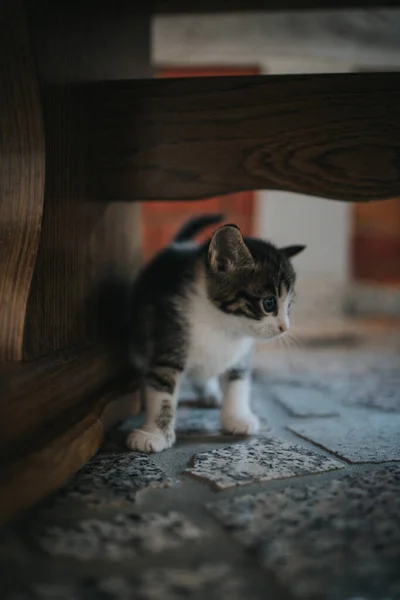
(22, 176)
(83, 242)
(60, 248)
(53, 414)
(331, 136)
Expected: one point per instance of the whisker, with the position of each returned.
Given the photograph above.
(302, 358)
(290, 343)
(288, 349)
(296, 340)
(297, 361)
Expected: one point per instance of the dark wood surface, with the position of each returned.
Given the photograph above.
(53, 414)
(84, 240)
(41, 394)
(332, 136)
(22, 169)
(59, 243)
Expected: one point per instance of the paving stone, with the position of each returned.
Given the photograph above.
(336, 541)
(211, 581)
(198, 421)
(113, 478)
(380, 392)
(265, 381)
(372, 438)
(202, 421)
(123, 535)
(260, 459)
(321, 364)
(304, 402)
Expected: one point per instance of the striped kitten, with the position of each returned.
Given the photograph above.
(196, 311)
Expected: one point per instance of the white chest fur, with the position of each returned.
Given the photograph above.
(215, 344)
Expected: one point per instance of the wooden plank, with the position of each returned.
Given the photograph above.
(84, 241)
(332, 136)
(22, 170)
(160, 220)
(31, 478)
(53, 414)
(60, 246)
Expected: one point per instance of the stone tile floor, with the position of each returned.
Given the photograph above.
(310, 508)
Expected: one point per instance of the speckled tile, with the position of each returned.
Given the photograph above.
(260, 459)
(211, 581)
(122, 535)
(52, 591)
(55, 591)
(369, 438)
(112, 478)
(333, 541)
(304, 402)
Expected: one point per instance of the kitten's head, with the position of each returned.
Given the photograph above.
(251, 280)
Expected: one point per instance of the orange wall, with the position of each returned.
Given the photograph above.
(376, 242)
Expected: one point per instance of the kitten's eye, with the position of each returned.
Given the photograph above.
(269, 304)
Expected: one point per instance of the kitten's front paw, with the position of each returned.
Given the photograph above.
(150, 439)
(240, 424)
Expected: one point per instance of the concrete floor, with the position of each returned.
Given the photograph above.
(310, 508)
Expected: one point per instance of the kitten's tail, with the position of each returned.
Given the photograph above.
(195, 225)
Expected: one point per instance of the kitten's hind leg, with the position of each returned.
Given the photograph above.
(208, 392)
(236, 414)
(161, 393)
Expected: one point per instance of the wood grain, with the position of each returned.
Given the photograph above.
(84, 240)
(26, 481)
(53, 414)
(22, 171)
(55, 386)
(53, 409)
(332, 136)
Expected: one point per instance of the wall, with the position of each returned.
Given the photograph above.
(369, 37)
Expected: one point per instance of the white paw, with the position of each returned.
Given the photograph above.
(150, 439)
(240, 424)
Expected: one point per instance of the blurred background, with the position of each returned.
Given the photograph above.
(352, 262)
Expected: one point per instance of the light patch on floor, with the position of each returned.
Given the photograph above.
(260, 459)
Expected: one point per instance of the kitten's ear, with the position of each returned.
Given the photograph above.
(227, 250)
(290, 251)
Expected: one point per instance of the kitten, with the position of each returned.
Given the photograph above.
(196, 310)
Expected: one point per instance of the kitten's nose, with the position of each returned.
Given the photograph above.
(283, 327)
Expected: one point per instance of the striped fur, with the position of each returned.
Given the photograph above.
(195, 311)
